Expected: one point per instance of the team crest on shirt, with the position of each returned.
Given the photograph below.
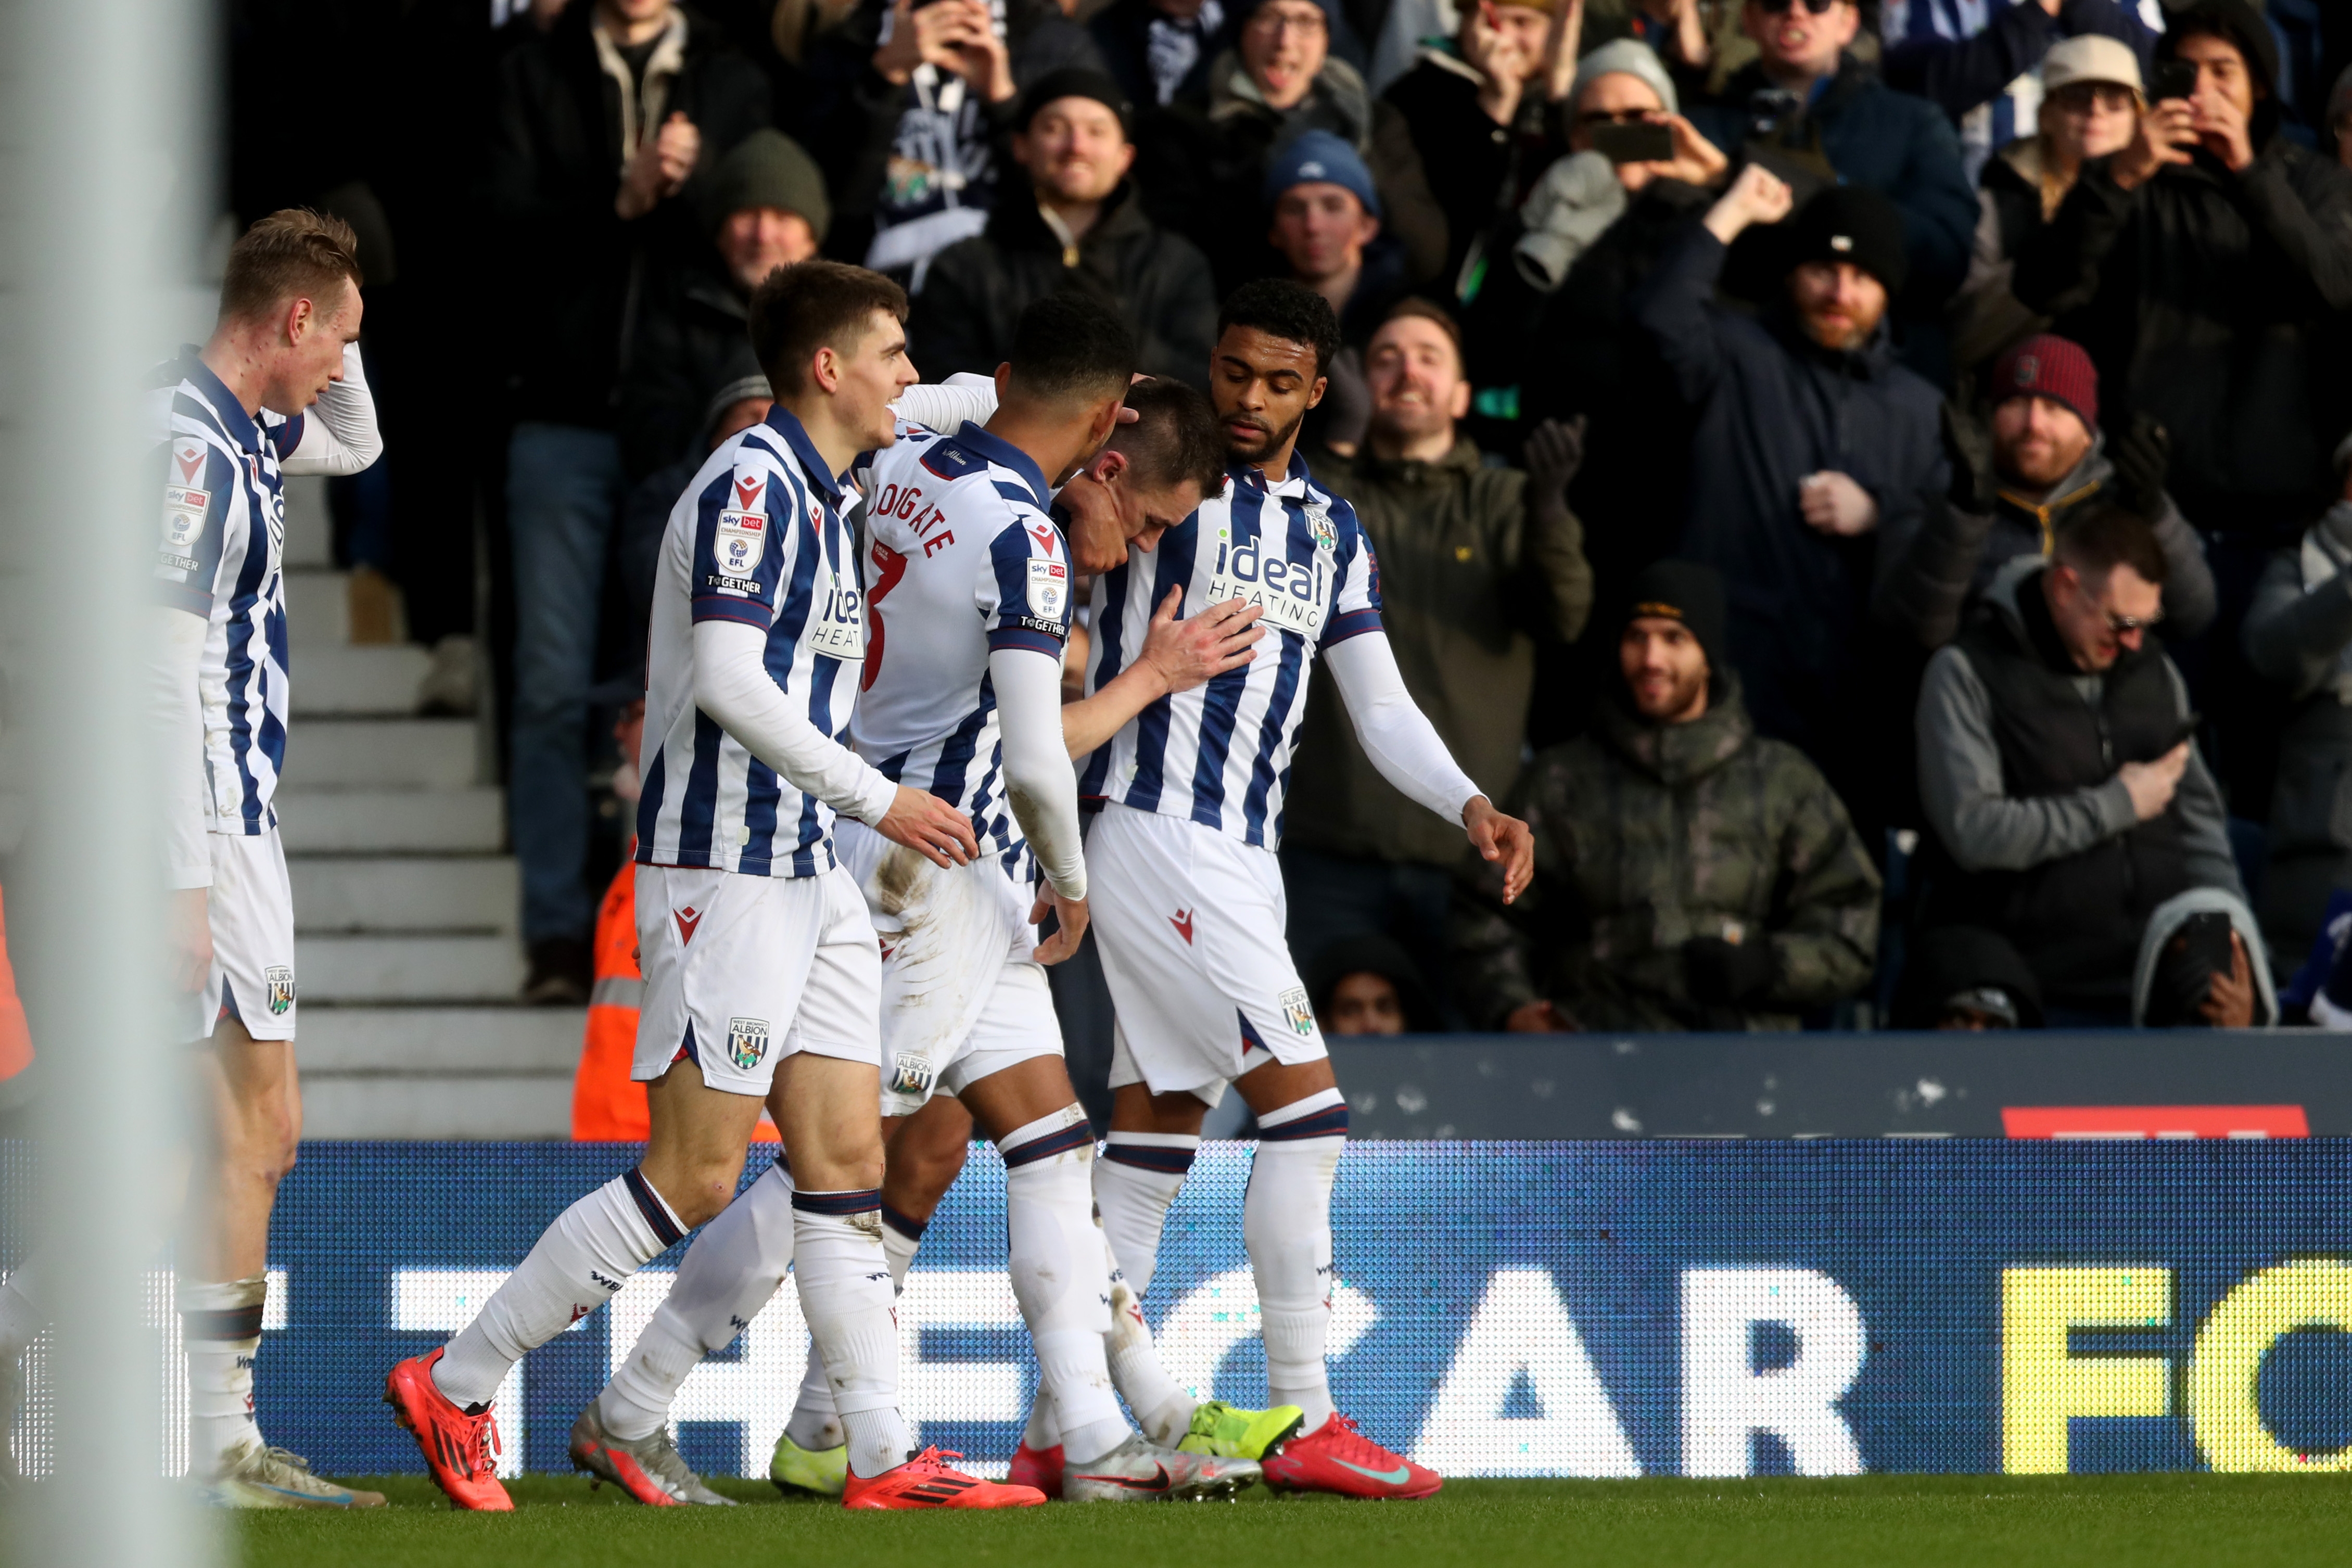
(281, 987)
(1049, 590)
(1320, 526)
(747, 1042)
(911, 1074)
(1297, 1013)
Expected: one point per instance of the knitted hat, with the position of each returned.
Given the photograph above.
(1681, 590)
(1626, 56)
(1072, 82)
(2051, 367)
(1319, 157)
(2235, 20)
(1848, 223)
(2090, 57)
(768, 169)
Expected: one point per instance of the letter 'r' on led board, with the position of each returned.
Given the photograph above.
(2264, 1309)
(2043, 1387)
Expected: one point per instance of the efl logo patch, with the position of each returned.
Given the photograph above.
(1049, 590)
(184, 520)
(1297, 1013)
(281, 987)
(912, 1075)
(742, 539)
(747, 1041)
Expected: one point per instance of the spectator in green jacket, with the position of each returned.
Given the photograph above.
(1477, 566)
(1689, 874)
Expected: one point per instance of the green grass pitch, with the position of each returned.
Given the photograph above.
(1908, 1522)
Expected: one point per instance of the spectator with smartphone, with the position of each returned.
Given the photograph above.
(2064, 797)
(2208, 266)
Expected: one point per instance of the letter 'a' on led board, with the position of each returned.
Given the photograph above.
(2044, 1386)
(2316, 1292)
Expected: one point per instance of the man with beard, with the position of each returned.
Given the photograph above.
(1807, 440)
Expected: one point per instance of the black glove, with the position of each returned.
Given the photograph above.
(2141, 459)
(1726, 974)
(1968, 444)
(1553, 452)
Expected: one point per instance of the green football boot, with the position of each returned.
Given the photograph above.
(1233, 1433)
(823, 1472)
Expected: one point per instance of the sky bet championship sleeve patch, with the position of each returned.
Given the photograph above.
(742, 537)
(1049, 597)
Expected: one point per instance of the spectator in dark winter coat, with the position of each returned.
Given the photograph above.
(2298, 635)
(1809, 439)
(2207, 268)
(606, 128)
(1807, 104)
(1474, 104)
(1161, 50)
(2063, 803)
(2018, 479)
(1083, 228)
(766, 208)
(1202, 167)
(1689, 873)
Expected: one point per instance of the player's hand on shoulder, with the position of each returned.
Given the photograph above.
(929, 826)
(1070, 923)
(1198, 648)
(1502, 838)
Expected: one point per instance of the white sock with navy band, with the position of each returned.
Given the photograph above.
(1055, 1255)
(815, 1424)
(730, 1273)
(220, 1325)
(1135, 1180)
(1286, 1227)
(580, 1263)
(844, 1281)
(902, 1237)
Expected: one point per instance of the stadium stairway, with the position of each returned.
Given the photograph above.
(404, 897)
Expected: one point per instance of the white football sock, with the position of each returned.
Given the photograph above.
(730, 1274)
(1162, 1409)
(845, 1297)
(1286, 1227)
(902, 1237)
(1135, 1181)
(580, 1263)
(1055, 1250)
(220, 1327)
(814, 1425)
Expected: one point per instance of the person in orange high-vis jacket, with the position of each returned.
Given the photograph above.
(16, 1039)
(607, 1106)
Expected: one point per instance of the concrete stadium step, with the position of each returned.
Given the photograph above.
(450, 896)
(420, 753)
(364, 681)
(318, 609)
(401, 969)
(438, 1072)
(392, 822)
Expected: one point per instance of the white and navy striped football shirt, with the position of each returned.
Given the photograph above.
(222, 557)
(1220, 754)
(960, 560)
(757, 539)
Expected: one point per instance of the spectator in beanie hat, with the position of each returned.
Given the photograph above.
(2019, 472)
(1689, 874)
(1808, 441)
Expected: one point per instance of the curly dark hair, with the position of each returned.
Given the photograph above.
(1070, 344)
(1282, 309)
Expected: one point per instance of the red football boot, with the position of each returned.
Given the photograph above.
(1038, 1468)
(461, 1450)
(1336, 1458)
(925, 1482)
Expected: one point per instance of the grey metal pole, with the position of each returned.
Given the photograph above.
(106, 166)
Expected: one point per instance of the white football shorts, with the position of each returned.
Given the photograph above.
(250, 907)
(961, 996)
(1190, 923)
(743, 971)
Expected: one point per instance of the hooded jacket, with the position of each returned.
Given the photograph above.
(2298, 635)
(563, 131)
(971, 302)
(2034, 834)
(1649, 836)
(2218, 302)
(1203, 168)
(1949, 558)
(1772, 406)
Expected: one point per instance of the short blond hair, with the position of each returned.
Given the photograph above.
(292, 254)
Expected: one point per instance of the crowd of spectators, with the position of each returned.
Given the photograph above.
(1870, 481)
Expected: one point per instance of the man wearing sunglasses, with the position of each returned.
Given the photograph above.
(2056, 772)
(1807, 102)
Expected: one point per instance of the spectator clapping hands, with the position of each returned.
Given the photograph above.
(954, 36)
(660, 167)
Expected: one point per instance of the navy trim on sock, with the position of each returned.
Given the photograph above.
(1331, 1122)
(1077, 1136)
(650, 1205)
(227, 1323)
(904, 1224)
(864, 1201)
(1158, 1157)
